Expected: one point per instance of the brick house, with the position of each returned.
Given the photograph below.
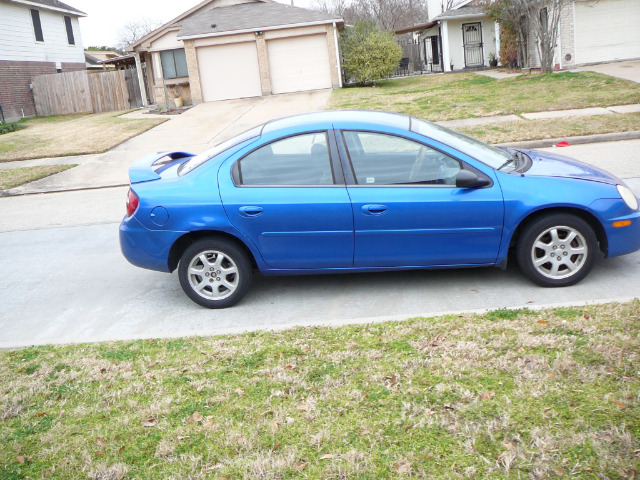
(39, 37)
(223, 49)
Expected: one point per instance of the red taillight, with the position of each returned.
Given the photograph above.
(132, 202)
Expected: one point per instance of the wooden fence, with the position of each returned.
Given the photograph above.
(79, 92)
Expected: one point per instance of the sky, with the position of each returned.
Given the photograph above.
(104, 19)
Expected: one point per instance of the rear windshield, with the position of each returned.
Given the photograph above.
(207, 155)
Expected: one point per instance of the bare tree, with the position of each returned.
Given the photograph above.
(389, 15)
(133, 31)
(544, 20)
(538, 18)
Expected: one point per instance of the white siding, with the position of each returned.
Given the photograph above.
(168, 41)
(456, 44)
(17, 40)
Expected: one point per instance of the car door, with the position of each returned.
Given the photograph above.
(407, 209)
(288, 196)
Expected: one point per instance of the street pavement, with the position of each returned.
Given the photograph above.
(64, 279)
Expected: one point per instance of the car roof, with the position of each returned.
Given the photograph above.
(394, 120)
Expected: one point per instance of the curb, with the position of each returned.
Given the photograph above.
(580, 140)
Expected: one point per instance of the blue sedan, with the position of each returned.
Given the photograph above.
(361, 191)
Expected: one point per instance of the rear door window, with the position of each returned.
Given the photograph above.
(292, 161)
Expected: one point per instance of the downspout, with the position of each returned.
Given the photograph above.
(339, 63)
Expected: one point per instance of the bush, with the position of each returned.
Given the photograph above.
(508, 47)
(10, 127)
(369, 54)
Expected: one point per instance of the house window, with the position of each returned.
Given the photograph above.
(174, 63)
(67, 24)
(37, 26)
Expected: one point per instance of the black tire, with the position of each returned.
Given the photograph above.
(574, 243)
(224, 279)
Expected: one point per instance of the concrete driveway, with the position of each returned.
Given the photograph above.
(193, 131)
(629, 70)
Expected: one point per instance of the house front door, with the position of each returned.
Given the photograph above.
(472, 39)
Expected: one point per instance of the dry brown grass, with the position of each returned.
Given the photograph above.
(14, 177)
(60, 136)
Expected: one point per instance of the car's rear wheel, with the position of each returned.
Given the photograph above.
(215, 273)
(557, 250)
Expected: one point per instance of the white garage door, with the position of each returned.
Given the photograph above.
(607, 30)
(229, 71)
(299, 64)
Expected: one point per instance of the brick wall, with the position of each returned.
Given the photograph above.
(15, 94)
(72, 67)
(567, 37)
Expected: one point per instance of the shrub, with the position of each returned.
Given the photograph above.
(508, 47)
(10, 127)
(369, 54)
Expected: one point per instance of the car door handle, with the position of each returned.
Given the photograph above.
(374, 209)
(251, 211)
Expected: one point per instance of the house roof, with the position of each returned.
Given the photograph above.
(472, 9)
(90, 59)
(53, 5)
(249, 16)
(415, 28)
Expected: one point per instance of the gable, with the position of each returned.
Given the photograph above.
(174, 24)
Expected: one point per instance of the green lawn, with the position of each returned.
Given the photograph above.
(506, 395)
(465, 95)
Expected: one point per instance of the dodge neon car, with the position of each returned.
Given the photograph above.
(356, 191)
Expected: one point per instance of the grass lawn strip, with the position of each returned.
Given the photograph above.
(14, 177)
(465, 95)
(66, 135)
(507, 395)
(554, 128)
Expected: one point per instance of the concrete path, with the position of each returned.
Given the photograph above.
(193, 131)
(628, 70)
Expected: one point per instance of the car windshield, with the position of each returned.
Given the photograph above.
(492, 156)
(207, 155)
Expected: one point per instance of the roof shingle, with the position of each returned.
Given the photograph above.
(249, 16)
(57, 4)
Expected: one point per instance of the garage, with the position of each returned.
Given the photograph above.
(229, 71)
(616, 37)
(299, 64)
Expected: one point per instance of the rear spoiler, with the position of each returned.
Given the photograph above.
(145, 168)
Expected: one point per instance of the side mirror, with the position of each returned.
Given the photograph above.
(469, 179)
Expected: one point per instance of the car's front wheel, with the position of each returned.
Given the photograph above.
(557, 250)
(215, 273)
